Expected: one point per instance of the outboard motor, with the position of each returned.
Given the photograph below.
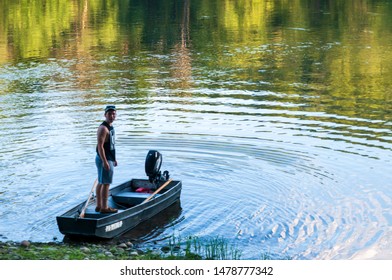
(153, 166)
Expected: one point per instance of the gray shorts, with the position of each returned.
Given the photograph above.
(104, 176)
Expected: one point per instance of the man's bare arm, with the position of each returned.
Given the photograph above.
(102, 135)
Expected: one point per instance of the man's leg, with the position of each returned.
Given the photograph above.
(105, 196)
(98, 199)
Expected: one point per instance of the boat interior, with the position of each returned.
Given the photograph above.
(131, 194)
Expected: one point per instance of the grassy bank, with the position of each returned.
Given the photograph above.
(191, 248)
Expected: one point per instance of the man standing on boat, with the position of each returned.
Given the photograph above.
(105, 159)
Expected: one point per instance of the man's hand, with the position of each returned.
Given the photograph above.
(106, 165)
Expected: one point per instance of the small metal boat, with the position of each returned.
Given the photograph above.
(137, 200)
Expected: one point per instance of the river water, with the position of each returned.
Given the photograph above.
(276, 116)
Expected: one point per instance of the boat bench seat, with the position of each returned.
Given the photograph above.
(131, 198)
(90, 213)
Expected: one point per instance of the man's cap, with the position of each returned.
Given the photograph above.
(110, 108)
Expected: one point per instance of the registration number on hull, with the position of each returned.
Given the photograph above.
(113, 226)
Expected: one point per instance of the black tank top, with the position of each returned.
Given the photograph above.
(109, 147)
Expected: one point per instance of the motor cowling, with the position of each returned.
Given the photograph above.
(153, 165)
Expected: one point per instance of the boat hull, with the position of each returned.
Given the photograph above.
(129, 216)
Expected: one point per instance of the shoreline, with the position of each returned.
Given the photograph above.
(190, 248)
(26, 250)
